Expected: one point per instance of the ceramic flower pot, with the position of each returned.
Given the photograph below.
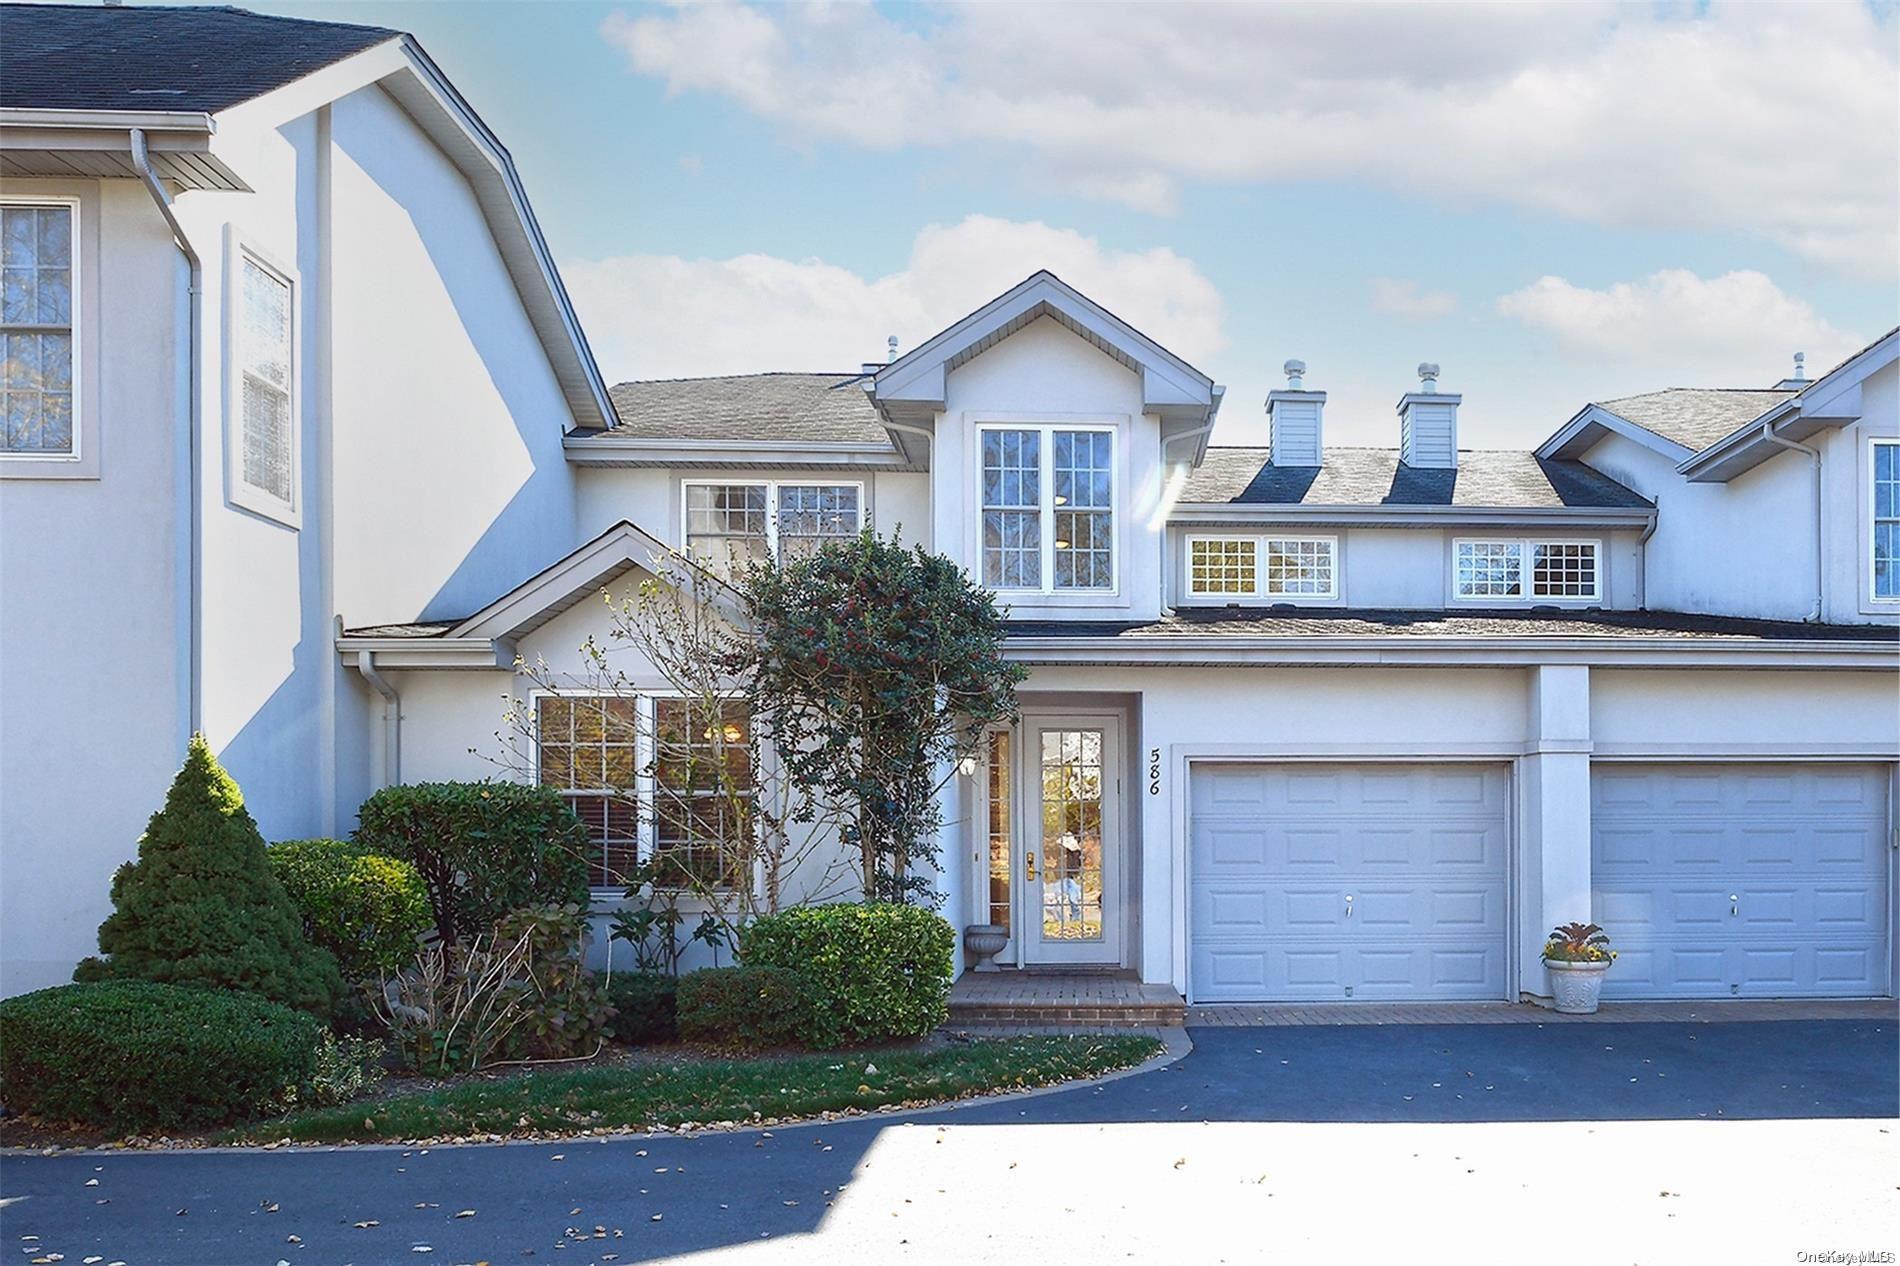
(1576, 986)
(982, 942)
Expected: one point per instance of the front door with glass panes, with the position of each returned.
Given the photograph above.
(1052, 858)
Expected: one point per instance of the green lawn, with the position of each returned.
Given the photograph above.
(646, 1095)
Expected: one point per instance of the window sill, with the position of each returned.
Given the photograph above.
(48, 468)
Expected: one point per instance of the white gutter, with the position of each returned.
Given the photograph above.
(392, 717)
(1820, 512)
(1192, 651)
(1221, 512)
(142, 162)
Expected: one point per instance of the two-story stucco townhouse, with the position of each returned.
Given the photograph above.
(1302, 722)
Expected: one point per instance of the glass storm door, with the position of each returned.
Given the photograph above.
(1070, 891)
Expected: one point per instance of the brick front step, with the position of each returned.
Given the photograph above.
(1139, 1016)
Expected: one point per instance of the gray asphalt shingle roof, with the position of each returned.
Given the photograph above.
(1375, 476)
(768, 408)
(1287, 622)
(1695, 417)
(73, 57)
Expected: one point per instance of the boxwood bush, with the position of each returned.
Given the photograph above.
(136, 1056)
(747, 1008)
(646, 1007)
(484, 849)
(365, 908)
(878, 971)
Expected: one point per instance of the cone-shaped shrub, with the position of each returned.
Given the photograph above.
(201, 907)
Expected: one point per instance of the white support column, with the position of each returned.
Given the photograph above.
(1554, 874)
(955, 800)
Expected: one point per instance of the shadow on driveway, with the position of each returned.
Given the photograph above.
(583, 1200)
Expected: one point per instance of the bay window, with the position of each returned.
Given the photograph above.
(1524, 570)
(1046, 497)
(656, 778)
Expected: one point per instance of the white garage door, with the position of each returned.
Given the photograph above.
(1346, 881)
(1765, 881)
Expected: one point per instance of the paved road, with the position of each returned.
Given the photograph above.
(1708, 1142)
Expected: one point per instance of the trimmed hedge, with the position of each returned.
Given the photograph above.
(135, 1056)
(365, 908)
(748, 1008)
(646, 1007)
(484, 849)
(878, 971)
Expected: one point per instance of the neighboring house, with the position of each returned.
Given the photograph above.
(1302, 722)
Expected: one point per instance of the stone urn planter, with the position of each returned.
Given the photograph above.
(1575, 987)
(982, 942)
(1577, 955)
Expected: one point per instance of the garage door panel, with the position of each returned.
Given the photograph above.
(1420, 850)
(1742, 881)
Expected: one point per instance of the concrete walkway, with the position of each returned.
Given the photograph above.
(1713, 1011)
(1729, 1143)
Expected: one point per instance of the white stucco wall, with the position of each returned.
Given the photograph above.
(1045, 374)
(93, 634)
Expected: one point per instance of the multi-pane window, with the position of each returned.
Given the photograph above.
(1047, 502)
(1517, 570)
(1886, 520)
(664, 778)
(588, 748)
(1300, 568)
(1012, 509)
(266, 430)
(36, 330)
(1254, 567)
(702, 790)
(731, 526)
(811, 514)
(1223, 565)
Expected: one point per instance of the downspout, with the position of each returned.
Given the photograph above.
(1642, 561)
(392, 717)
(142, 163)
(1820, 569)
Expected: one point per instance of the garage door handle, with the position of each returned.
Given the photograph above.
(1349, 906)
(1733, 908)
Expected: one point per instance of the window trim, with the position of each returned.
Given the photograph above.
(1527, 547)
(645, 785)
(240, 247)
(1046, 507)
(1870, 520)
(771, 487)
(1262, 542)
(83, 459)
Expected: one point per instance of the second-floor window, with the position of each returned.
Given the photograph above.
(36, 330)
(1046, 497)
(265, 432)
(730, 526)
(1516, 571)
(1886, 520)
(1263, 567)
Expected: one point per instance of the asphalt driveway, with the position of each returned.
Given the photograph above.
(1689, 1142)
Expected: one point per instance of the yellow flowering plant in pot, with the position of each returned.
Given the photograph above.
(1577, 955)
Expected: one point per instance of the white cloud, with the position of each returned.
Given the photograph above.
(660, 316)
(1738, 329)
(1772, 119)
(1402, 298)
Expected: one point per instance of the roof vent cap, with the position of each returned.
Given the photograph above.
(1427, 378)
(1800, 366)
(890, 349)
(1295, 371)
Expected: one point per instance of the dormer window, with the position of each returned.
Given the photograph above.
(1047, 498)
(1520, 571)
(730, 526)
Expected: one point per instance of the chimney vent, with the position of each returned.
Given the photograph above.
(890, 349)
(1428, 423)
(1294, 417)
(1800, 378)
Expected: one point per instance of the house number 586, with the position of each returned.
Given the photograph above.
(1154, 771)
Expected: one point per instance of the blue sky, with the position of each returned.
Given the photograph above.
(1555, 203)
